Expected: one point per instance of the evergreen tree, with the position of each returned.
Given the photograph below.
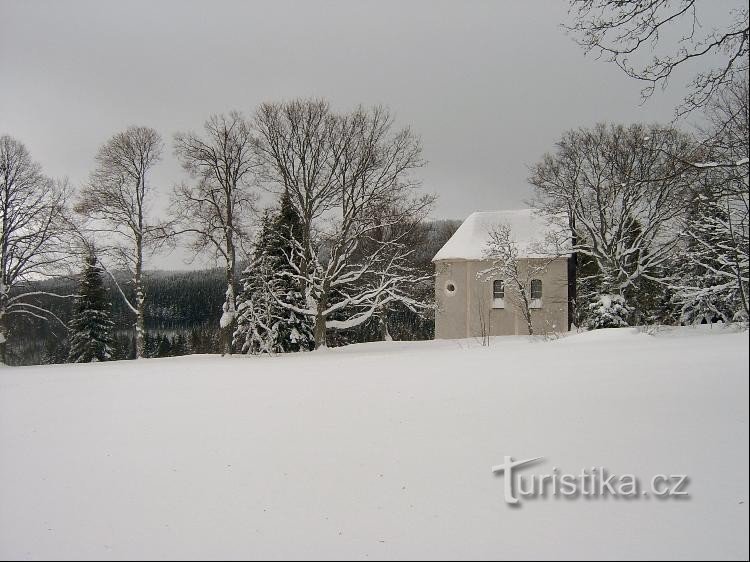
(179, 345)
(55, 351)
(257, 320)
(121, 347)
(263, 324)
(608, 311)
(588, 283)
(294, 331)
(603, 303)
(150, 345)
(706, 290)
(196, 341)
(91, 326)
(649, 297)
(164, 346)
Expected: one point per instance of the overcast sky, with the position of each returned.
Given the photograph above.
(489, 86)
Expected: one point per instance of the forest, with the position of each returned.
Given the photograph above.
(183, 312)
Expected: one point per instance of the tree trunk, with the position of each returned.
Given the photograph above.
(384, 333)
(527, 312)
(4, 289)
(227, 331)
(319, 331)
(140, 330)
(572, 272)
(3, 326)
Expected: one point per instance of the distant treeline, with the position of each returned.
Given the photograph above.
(183, 309)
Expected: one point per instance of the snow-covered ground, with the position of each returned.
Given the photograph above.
(379, 451)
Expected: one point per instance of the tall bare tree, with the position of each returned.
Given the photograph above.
(116, 198)
(216, 209)
(668, 35)
(337, 170)
(411, 286)
(33, 241)
(621, 193)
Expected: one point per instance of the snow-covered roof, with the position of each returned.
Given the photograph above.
(469, 242)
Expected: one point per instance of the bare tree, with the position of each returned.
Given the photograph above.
(670, 34)
(409, 283)
(337, 170)
(621, 194)
(483, 316)
(33, 241)
(217, 208)
(726, 135)
(116, 199)
(516, 271)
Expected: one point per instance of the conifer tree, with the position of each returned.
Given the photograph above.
(164, 346)
(91, 326)
(179, 345)
(706, 290)
(263, 324)
(150, 343)
(295, 332)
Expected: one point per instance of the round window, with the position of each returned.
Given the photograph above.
(450, 287)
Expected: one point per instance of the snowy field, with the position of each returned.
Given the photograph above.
(379, 451)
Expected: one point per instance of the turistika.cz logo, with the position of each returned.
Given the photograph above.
(594, 482)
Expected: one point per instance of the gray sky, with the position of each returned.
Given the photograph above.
(489, 86)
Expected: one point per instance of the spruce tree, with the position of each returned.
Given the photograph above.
(294, 332)
(257, 316)
(164, 346)
(179, 345)
(264, 323)
(701, 291)
(91, 326)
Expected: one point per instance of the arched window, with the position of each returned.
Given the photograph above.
(498, 289)
(536, 289)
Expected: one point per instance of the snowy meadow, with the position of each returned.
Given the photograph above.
(380, 450)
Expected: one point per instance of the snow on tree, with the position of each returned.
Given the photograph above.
(411, 288)
(622, 193)
(711, 280)
(714, 267)
(265, 323)
(258, 315)
(516, 271)
(116, 200)
(91, 326)
(294, 331)
(338, 169)
(608, 311)
(653, 40)
(33, 237)
(215, 209)
(707, 288)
